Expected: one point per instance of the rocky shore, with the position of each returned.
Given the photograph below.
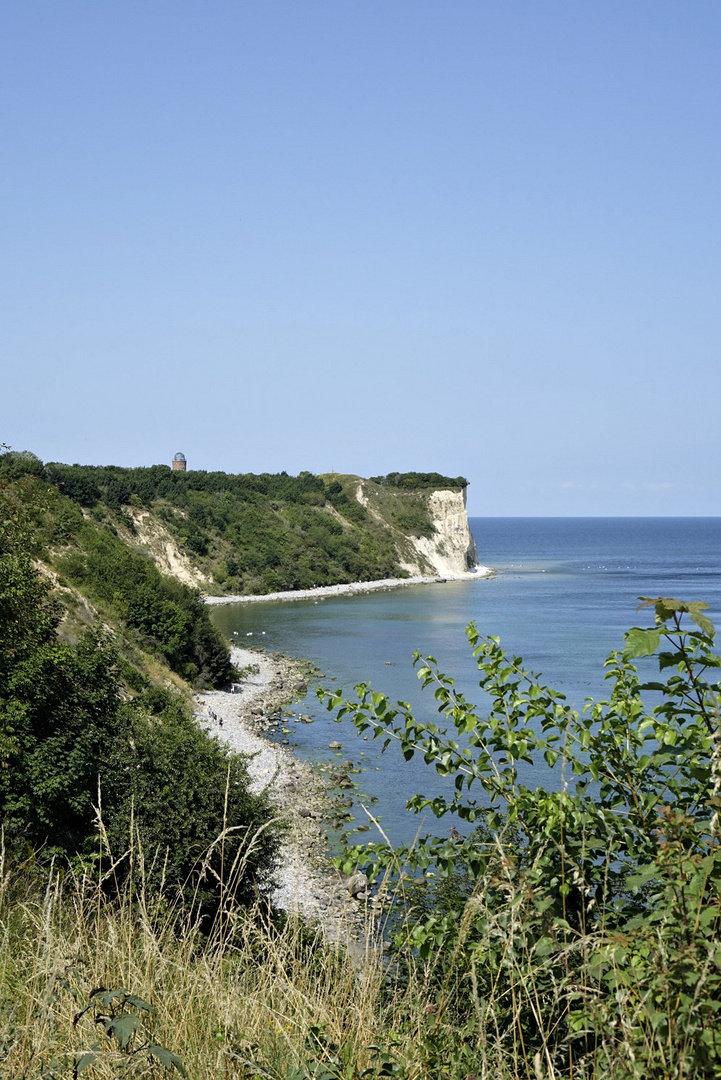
(307, 883)
(477, 574)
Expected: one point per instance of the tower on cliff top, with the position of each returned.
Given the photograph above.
(179, 462)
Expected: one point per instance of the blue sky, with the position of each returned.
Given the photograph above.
(476, 237)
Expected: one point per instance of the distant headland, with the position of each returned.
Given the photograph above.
(246, 534)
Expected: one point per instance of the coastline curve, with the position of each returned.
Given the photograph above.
(478, 573)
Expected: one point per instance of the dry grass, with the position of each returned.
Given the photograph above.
(250, 999)
(255, 997)
(250, 993)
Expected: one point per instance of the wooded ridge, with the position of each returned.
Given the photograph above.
(255, 534)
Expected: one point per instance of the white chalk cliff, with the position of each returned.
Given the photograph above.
(450, 551)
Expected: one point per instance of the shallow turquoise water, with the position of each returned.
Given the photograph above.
(565, 591)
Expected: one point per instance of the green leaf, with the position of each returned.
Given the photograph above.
(701, 620)
(89, 1057)
(641, 643)
(122, 1028)
(139, 1003)
(664, 606)
(167, 1058)
(642, 877)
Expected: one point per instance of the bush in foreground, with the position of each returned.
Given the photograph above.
(578, 928)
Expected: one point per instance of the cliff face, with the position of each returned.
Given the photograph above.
(153, 539)
(452, 549)
(430, 528)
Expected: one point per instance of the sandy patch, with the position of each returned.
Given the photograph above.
(155, 539)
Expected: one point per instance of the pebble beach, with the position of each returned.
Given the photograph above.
(477, 572)
(306, 882)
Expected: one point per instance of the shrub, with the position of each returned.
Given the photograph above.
(580, 922)
(196, 821)
(415, 481)
(168, 615)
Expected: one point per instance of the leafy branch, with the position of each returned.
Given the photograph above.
(124, 1017)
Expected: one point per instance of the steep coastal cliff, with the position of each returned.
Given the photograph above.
(446, 548)
(247, 534)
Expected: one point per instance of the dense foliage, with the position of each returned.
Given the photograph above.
(163, 615)
(421, 481)
(115, 486)
(580, 920)
(167, 616)
(190, 804)
(72, 737)
(257, 533)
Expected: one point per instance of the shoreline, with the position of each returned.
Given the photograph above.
(480, 573)
(307, 884)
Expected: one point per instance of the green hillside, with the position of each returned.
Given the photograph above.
(245, 533)
(97, 649)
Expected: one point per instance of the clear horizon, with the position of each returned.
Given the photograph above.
(480, 238)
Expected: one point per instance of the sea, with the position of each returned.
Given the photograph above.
(562, 594)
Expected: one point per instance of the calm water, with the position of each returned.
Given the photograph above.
(565, 591)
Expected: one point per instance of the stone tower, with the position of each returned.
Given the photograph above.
(179, 462)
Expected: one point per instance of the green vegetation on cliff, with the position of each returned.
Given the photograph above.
(421, 481)
(261, 533)
(93, 717)
(159, 615)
